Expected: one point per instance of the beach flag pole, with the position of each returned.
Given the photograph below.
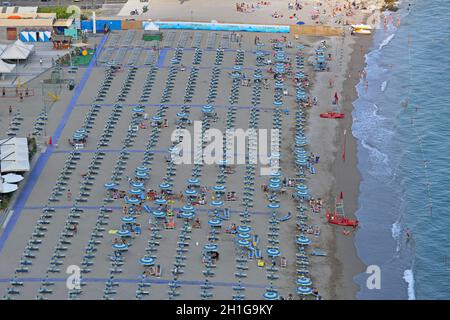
(344, 147)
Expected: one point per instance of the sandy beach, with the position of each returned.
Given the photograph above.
(332, 274)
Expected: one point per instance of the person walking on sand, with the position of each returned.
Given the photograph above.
(336, 98)
(69, 195)
(10, 110)
(40, 62)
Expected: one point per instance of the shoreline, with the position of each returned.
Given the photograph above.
(347, 179)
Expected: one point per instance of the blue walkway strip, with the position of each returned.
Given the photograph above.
(42, 161)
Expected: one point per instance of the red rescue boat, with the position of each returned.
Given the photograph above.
(332, 115)
(338, 216)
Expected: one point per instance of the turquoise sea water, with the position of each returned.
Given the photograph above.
(402, 123)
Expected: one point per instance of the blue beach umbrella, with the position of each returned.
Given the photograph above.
(302, 240)
(304, 281)
(244, 229)
(187, 208)
(137, 185)
(159, 214)
(271, 295)
(123, 233)
(304, 290)
(77, 136)
(273, 252)
(135, 192)
(143, 169)
(120, 246)
(274, 186)
(156, 118)
(187, 214)
(217, 203)
(128, 219)
(164, 186)
(110, 185)
(130, 200)
(141, 175)
(278, 103)
(218, 188)
(193, 181)
(160, 201)
(191, 192)
(245, 236)
(214, 222)
(276, 174)
(147, 261)
(273, 205)
(207, 109)
(243, 242)
(138, 110)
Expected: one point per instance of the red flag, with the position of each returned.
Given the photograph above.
(50, 141)
(342, 195)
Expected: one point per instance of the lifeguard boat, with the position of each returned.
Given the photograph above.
(338, 216)
(332, 115)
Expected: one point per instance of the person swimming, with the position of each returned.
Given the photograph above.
(408, 234)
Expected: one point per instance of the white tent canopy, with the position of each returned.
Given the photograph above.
(7, 187)
(6, 67)
(17, 51)
(20, 43)
(14, 155)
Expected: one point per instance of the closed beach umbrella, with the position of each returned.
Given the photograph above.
(138, 110)
(210, 247)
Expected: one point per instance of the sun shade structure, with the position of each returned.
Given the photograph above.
(17, 51)
(14, 155)
(6, 67)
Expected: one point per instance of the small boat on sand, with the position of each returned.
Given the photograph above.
(338, 216)
(332, 115)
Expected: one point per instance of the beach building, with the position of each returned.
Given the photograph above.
(26, 26)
